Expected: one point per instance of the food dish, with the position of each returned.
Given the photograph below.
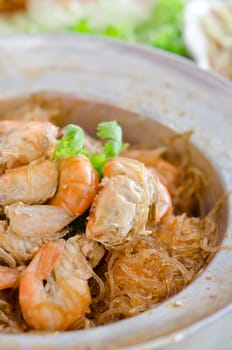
(139, 93)
(92, 230)
(208, 34)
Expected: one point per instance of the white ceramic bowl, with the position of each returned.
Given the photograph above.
(167, 90)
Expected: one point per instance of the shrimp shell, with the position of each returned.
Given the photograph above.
(66, 295)
(36, 221)
(16, 250)
(33, 183)
(168, 173)
(9, 277)
(120, 210)
(92, 250)
(20, 250)
(26, 143)
(7, 126)
(78, 184)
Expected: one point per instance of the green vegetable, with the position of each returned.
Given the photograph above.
(119, 33)
(168, 38)
(82, 26)
(112, 132)
(166, 12)
(98, 161)
(164, 27)
(71, 143)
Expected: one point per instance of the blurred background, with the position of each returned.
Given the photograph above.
(200, 30)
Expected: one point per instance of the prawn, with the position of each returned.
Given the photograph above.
(9, 277)
(26, 143)
(168, 173)
(16, 249)
(92, 250)
(120, 210)
(8, 125)
(78, 184)
(66, 295)
(37, 221)
(32, 183)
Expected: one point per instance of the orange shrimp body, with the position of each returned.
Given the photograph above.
(128, 193)
(168, 173)
(163, 206)
(8, 277)
(31, 284)
(66, 295)
(120, 210)
(78, 185)
(28, 142)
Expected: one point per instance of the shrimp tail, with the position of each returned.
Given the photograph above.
(58, 303)
(35, 311)
(9, 277)
(45, 259)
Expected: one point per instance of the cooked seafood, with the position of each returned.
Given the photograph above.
(18, 251)
(8, 277)
(93, 231)
(168, 173)
(131, 191)
(36, 221)
(78, 184)
(30, 184)
(157, 266)
(66, 295)
(92, 250)
(8, 125)
(26, 143)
